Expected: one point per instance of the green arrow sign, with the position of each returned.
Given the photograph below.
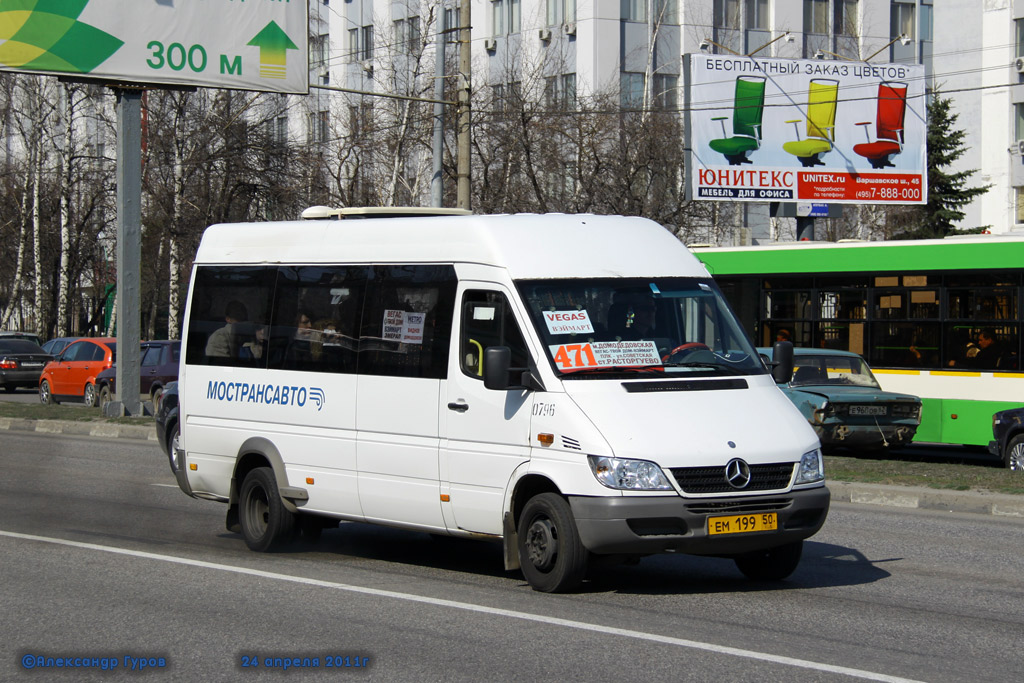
(273, 43)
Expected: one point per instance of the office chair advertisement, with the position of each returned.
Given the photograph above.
(806, 130)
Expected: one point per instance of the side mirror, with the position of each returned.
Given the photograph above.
(782, 362)
(498, 366)
(497, 361)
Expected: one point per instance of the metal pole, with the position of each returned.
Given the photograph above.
(463, 139)
(436, 184)
(129, 219)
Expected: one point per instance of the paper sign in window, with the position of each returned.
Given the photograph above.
(568, 322)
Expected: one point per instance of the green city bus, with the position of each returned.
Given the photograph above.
(936, 318)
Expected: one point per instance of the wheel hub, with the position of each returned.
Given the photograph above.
(1016, 463)
(541, 544)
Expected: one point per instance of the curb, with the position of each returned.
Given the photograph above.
(104, 430)
(976, 502)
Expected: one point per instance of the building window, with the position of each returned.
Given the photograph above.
(831, 27)
(816, 16)
(561, 12)
(1018, 120)
(318, 126)
(407, 35)
(560, 92)
(631, 87)
(1019, 191)
(353, 45)
(279, 130)
(506, 16)
(1020, 37)
(318, 48)
(367, 46)
(633, 10)
(451, 21)
(741, 26)
(666, 88)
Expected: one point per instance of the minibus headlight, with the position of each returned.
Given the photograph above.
(811, 469)
(632, 475)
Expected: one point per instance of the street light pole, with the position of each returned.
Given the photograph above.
(463, 138)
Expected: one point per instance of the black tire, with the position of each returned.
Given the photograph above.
(771, 564)
(1013, 455)
(10, 388)
(172, 444)
(45, 395)
(89, 395)
(155, 394)
(266, 524)
(551, 554)
(105, 397)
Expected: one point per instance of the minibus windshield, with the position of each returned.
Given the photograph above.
(638, 326)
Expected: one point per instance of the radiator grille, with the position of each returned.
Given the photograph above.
(712, 479)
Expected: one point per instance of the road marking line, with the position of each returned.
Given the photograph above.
(438, 602)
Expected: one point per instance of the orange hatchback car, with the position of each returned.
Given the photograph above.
(72, 374)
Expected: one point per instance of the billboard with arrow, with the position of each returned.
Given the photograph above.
(239, 44)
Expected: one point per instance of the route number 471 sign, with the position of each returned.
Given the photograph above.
(238, 44)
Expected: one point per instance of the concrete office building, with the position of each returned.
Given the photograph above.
(575, 48)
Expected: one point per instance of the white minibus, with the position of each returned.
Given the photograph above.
(573, 386)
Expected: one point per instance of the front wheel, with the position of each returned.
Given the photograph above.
(1013, 456)
(771, 564)
(173, 436)
(266, 524)
(550, 551)
(105, 398)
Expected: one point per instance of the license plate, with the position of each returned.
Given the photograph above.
(867, 410)
(31, 365)
(742, 524)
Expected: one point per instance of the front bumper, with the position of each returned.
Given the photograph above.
(646, 526)
(864, 436)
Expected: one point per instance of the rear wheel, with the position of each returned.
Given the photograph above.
(45, 395)
(156, 393)
(10, 388)
(89, 395)
(771, 564)
(550, 551)
(266, 524)
(1013, 456)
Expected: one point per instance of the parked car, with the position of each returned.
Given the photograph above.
(11, 334)
(1008, 438)
(158, 366)
(58, 344)
(166, 411)
(72, 374)
(21, 363)
(840, 397)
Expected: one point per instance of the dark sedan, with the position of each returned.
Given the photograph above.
(158, 366)
(1008, 438)
(21, 363)
(840, 397)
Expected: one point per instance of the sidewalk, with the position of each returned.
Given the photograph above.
(999, 505)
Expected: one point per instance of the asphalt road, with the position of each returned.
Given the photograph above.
(103, 558)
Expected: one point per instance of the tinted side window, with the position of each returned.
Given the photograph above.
(151, 356)
(72, 352)
(488, 321)
(97, 352)
(229, 303)
(407, 321)
(316, 318)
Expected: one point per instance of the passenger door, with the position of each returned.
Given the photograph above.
(403, 361)
(488, 432)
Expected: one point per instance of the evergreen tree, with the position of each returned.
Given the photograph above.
(948, 192)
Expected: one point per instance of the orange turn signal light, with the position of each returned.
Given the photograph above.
(445, 498)
(309, 480)
(546, 439)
